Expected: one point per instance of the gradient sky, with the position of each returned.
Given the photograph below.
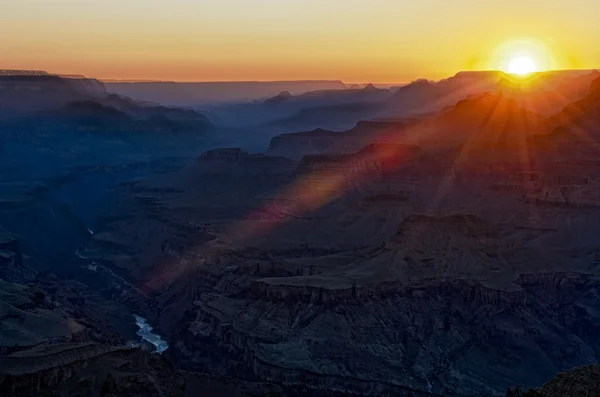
(351, 40)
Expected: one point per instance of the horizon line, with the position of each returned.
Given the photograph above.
(175, 81)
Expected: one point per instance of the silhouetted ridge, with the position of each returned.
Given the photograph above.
(582, 113)
(278, 99)
(370, 88)
(31, 78)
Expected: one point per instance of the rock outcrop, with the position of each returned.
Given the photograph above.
(319, 141)
(579, 382)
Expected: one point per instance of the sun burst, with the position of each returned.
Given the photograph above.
(522, 58)
(522, 65)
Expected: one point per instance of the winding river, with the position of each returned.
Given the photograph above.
(145, 332)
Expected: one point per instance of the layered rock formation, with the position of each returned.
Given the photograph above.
(41, 101)
(358, 295)
(88, 369)
(26, 92)
(319, 141)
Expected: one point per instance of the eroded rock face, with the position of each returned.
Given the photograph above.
(359, 338)
(88, 369)
(400, 317)
(324, 142)
(381, 270)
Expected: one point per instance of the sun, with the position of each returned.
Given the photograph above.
(522, 57)
(522, 65)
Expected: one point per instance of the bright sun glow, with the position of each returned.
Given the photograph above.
(522, 65)
(522, 57)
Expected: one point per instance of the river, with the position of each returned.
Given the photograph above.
(145, 332)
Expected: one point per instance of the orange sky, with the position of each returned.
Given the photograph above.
(350, 40)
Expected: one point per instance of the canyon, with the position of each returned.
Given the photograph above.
(451, 254)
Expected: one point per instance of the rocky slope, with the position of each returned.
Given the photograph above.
(580, 382)
(58, 338)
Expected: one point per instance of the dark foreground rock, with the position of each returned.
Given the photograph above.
(580, 382)
(90, 369)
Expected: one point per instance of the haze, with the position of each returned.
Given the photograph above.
(351, 40)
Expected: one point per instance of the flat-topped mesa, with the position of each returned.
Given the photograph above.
(373, 170)
(13, 72)
(320, 141)
(42, 82)
(35, 92)
(34, 83)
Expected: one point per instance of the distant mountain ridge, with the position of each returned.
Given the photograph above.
(42, 101)
(544, 93)
(487, 119)
(202, 93)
